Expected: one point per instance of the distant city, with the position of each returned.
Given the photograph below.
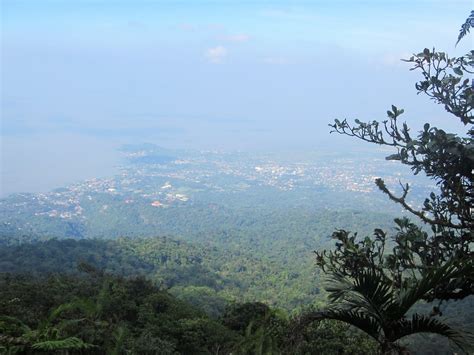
(153, 177)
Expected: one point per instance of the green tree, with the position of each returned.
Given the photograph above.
(446, 158)
(49, 336)
(381, 286)
(370, 301)
(328, 337)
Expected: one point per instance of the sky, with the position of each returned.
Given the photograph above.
(81, 77)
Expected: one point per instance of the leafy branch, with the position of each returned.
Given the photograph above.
(466, 27)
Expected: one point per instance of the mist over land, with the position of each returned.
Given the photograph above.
(81, 78)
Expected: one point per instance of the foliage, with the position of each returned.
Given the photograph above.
(267, 258)
(374, 288)
(466, 27)
(113, 315)
(326, 336)
(446, 158)
(370, 301)
(96, 313)
(71, 343)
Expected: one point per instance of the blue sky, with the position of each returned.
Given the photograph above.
(222, 74)
(353, 24)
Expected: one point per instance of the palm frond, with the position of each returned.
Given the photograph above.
(466, 27)
(339, 287)
(425, 324)
(375, 288)
(360, 320)
(415, 291)
(369, 290)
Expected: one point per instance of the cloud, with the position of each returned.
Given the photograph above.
(216, 54)
(241, 37)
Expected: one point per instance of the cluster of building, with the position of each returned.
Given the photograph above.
(154, 184)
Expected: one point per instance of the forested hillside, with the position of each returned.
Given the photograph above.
(266, 259)
(95, 313)
(198, 296)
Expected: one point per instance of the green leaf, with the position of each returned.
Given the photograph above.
(393, 157)
(458, 71)
(425, 324)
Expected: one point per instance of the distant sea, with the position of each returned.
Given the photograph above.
(40, 163)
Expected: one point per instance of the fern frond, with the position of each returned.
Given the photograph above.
(63, 344)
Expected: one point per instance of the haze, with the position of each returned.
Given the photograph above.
(80, 78)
